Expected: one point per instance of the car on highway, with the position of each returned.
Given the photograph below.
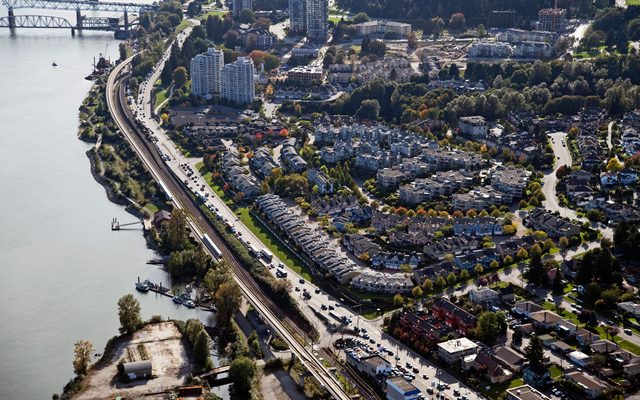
(301, 281)
(628, 331)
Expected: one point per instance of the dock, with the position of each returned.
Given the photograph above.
(165, 291)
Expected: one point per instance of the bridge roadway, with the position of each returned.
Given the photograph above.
(200, 223)
(78, 5)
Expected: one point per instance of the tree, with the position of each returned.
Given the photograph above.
(241, 373)
(201, 350)
(180, 77)
(360, 18)
(247, 17)
(129, 313)
(427, 285)
(488, 327)
(481, 31)
(464, 275)
(536, 274)
(440, 282)
(82, 350)
(614, 165)
(564, 242)
(417, 291)
(228, 300)
(558, 286)
(437, 25)
(398, 300)
(412, 41)
(122, 47)
(458, 22)
(534, 352)
(478, 269)
(369, 109)
(451, 278)
(522, 254)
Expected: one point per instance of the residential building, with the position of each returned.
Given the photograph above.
(526, 308)
(258, 38)
(489, 50)
(511, 181)
(238, 85)
(579, 358)
(552, 19)
(533, 50)
(474, 127)
(206, 73)
(454, 316)
(592, 386)
(554, 226)
(381, 27)
(297, 16)
(372, 365)
(521, 35)
(318, 178)
(316, 19)
(238, 5)
(509, 358)
(537, 376)
(455, 350)
(479, 198)
(525, 392)
(305, 75)
(483, 295)
(399, 388)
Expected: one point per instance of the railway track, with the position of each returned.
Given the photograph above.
(279, 321)
(354, 377)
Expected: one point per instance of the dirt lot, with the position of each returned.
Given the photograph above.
(163, 344)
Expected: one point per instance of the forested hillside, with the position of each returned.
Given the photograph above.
(477, 10)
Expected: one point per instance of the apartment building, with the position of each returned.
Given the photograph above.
(238, 85)
(206, 72)
(238, 5)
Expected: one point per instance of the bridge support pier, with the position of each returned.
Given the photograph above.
(126, 20)
(12, 19)
(78, 20)
(73, 31)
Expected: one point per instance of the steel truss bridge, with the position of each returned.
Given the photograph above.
(82, 22)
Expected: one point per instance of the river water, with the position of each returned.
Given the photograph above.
(62, 269)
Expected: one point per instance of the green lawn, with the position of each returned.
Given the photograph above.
(272, 243)
(214, 185)
(496, 390)
(555, 371)
(633, 2)
(220, 14)
(152, 208)
(632, 347)
(161, 96)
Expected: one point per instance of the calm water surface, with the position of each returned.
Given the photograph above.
(62, 270)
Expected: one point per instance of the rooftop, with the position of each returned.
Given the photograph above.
(456, 345)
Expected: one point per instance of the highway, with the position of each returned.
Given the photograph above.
(116, 102)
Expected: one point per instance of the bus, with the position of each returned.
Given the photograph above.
(212, 246)
(266, 254)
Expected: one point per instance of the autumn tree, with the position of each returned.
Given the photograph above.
(82, 351)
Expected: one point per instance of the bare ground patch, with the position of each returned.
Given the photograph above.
(163, 344)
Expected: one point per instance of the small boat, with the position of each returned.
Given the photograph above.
(177, 299)
(53, 64)
(189, 304)
(142, 287)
